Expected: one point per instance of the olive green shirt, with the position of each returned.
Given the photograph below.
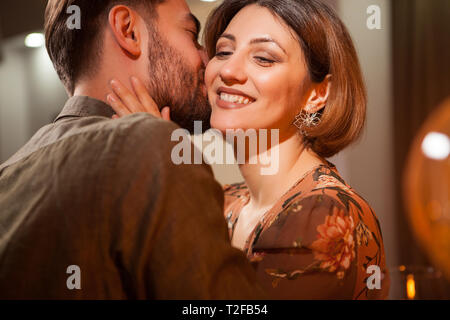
(104, 196)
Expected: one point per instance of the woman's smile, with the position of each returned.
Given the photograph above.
(228, 98)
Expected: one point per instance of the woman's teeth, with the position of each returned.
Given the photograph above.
(234, 98)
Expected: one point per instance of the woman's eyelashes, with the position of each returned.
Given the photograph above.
(259, 59)
(223, 54)
(264, 61)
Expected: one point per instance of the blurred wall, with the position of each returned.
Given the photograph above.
(370, 163)
(46, 94)
(31, 94)
(14, 129)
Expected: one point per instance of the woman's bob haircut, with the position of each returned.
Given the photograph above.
(328, 49)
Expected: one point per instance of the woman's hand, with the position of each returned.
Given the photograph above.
(125, 102)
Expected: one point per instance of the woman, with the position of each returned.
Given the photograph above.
(291, 65)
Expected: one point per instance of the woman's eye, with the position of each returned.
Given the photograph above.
(222, 54)
(264, 61)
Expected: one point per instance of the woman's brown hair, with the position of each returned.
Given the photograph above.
(328, 49)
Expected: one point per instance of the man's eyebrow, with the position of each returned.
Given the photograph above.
(254, 41)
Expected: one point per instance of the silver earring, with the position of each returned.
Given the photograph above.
(305, 120)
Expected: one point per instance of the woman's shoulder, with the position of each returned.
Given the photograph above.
(328, 184)
(326, 194)
(322, 207)
(325, 183)
(322, 211)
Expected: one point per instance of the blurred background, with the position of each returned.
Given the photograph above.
(406, 64)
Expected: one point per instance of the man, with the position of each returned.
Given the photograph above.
(94, 208)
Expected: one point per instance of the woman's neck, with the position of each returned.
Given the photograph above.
(294, 161)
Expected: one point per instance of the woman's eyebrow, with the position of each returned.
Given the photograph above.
(228, 36)
(254, 41)
(267, 39)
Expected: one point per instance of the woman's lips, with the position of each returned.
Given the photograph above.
(228, 98)
(230, 105)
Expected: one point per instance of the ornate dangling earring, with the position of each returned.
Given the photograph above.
(305, 120)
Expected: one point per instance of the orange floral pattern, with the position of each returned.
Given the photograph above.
(363, 234)
(335, 246)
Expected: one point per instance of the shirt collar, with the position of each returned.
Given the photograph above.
(83, 106)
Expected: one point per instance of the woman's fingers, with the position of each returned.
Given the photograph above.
(125, 101)
(117, 105)
(126, 96)
(165, 113)
(144, 97)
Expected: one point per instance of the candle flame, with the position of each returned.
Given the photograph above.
(410, 287)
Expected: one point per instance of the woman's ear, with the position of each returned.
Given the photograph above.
(319, 95)
(123, 23)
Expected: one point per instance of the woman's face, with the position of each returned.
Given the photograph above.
(258, 77)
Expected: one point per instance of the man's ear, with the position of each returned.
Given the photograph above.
(319, 95)
(123, 23)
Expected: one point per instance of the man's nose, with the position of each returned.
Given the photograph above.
(233, 71)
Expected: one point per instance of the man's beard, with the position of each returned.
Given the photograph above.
(173, 83)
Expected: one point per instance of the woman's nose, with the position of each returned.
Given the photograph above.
(233, 70)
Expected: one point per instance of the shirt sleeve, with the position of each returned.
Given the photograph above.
(308, 251)
(172, 240)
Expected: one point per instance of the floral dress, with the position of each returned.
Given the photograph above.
(321, 240)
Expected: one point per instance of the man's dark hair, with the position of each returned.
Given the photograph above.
(75, 52)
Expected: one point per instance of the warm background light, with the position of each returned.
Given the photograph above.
(427, 188)
(410, 287)
(436, 146)
(34, 40)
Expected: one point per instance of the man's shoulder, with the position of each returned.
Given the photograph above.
(137, 135)
(135, 128)
(125, 142)
(140, 136)
(96, 136)
(138, 126)
(140, 131)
